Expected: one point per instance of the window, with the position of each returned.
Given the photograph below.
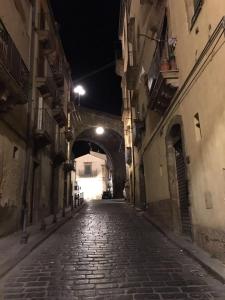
(15, 152)
(197, 8)
(198, 133)
(193, 8)
(87, 169)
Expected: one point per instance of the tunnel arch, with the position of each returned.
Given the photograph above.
(112, 143)
(85, 121)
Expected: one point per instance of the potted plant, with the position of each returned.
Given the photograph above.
(172, 59)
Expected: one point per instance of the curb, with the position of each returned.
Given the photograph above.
(11, 263)
(215, 267)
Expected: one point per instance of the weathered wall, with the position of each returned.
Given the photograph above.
(204, 95)
(11, 179)
(205, 164)
(17, 22)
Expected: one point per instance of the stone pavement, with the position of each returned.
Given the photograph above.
(11, 249)
(108, 252)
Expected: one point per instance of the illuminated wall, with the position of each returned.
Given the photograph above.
(92, 175)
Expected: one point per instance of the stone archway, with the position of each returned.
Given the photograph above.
(112, 141)
(178, 177)
(85, 118)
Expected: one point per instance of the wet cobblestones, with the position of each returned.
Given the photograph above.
(107, 252)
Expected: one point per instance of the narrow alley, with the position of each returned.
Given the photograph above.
(108, 251)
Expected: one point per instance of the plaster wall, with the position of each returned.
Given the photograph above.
(92, 187)
(12, 160)
(205, 156)
(18, 24)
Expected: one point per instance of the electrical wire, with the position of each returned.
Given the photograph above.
(92, 73)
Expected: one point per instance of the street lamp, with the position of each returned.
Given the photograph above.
(99, 130)
(80, 91)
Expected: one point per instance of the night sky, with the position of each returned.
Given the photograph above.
(89, 32)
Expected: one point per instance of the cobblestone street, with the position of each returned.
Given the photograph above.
(108, 252)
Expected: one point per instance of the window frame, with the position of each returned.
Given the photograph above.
(197, 5)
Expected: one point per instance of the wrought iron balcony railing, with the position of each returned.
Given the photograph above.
(59, 113)
(44, 128)
(162, 77)
(128, 155)
(45, 29)
(13, 67)
(69, 165)
(45, 81)
(69, 134)
(60, 148)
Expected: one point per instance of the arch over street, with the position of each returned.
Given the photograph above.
(111, 142)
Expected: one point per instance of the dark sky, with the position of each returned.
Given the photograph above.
(89, 32)
(82, 147)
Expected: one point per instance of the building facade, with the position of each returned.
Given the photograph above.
(35, 120)
(171, 63)
(93, 175)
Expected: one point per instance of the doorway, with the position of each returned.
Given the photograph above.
(177, 172)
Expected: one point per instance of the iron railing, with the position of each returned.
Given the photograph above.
(45, 122)
(60, 143)
(45, 22)
(12, 61)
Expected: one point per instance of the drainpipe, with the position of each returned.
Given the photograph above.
(24, 236)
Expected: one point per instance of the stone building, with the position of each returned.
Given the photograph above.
(93, 175)
(35, 121)
(171, 62)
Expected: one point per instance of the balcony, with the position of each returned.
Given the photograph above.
(56, 65)
(132, 77)
(45, 81)
(44, 128)
(14, 75)
(69, 165)
(119, 60)
(60, 148)
(128, 155)
(59, 114)
(138, 129)
(45, 32)
(163, 79)
(69, 134)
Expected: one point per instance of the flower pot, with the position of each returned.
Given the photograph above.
(164, 66)
(173, 64)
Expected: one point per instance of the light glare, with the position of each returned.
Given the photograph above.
(79, 90)
(100, 130)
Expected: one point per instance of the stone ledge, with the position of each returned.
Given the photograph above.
(215, 267)
(10, 263)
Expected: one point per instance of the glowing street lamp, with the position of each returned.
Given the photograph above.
(80, 91)
(100, 130)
